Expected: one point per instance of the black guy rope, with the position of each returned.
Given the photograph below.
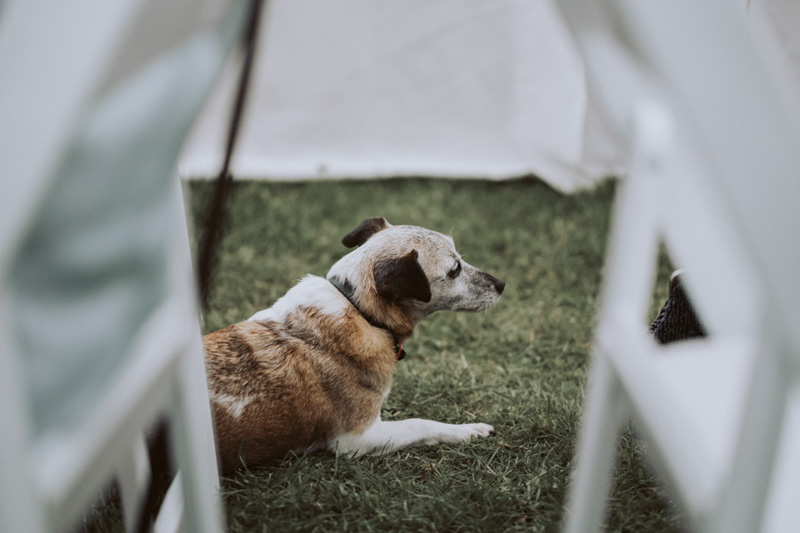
(212, 234)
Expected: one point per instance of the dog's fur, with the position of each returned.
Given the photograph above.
(312, 371)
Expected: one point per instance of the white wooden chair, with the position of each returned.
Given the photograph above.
(714, 162)
(99, 333)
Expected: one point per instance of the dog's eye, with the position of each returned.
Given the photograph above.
(455, 271)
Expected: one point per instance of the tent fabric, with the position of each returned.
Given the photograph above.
(459, 88)
(452, 88)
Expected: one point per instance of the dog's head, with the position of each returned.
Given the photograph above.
(403, 273)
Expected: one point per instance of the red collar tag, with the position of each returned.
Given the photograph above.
(401, 353)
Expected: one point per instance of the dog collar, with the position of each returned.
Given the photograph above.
(347, 290)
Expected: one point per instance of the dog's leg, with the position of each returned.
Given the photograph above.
(385, 437)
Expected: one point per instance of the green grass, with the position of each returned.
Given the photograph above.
(521, 366)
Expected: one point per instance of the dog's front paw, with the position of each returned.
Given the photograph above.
(480, 430)
(464, 432)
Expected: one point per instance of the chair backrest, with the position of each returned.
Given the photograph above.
(736, 132)
(97, 99)
(713, 139)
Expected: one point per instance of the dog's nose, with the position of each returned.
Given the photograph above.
(498, 283)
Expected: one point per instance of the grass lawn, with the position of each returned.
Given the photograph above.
(520, 366)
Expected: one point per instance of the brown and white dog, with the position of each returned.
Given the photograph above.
(312, 371)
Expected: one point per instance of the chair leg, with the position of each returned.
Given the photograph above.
(194, 441)
(170, 518)
(743, 509)
(603, 414)
(192, 431)
(132, 478)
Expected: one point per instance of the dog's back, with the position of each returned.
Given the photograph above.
(293, 384)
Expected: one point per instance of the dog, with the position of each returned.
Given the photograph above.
(311, 372)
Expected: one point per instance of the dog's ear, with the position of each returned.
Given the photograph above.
(367, 229)
(402, 278)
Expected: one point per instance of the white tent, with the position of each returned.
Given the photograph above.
(453, 88)
(462, 88)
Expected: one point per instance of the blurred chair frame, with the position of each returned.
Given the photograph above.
(49, 482)
(714, 158)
